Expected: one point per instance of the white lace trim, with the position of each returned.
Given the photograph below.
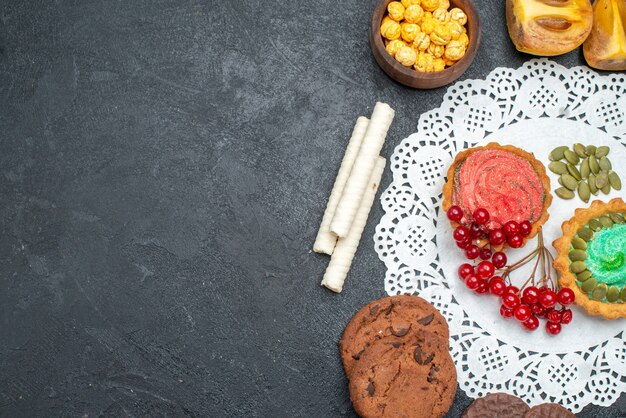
(535, 107)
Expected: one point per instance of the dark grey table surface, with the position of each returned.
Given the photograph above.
(164, 168)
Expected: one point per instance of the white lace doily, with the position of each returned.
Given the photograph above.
(536, 107)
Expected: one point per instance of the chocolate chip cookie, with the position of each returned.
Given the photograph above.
(549, 410)
(398, 316)
(497, 405)
(412, 377)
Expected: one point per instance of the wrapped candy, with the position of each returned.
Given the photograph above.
(406, 56)
(395, 10)
(441, 35)
(456, 30)
(429, 23)
(436, 50)
(464, 39)
(441, 15)
(458, 15)
(430, 5)
(384, 25)
(409, 31)
(407, 3)
(413, 13)
(394, 46)
(439, 64)
(424, 63)
(421, 42)
(455, 50)
(423, 34)
(392, 31)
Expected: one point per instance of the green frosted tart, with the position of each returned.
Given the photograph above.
(592, 258)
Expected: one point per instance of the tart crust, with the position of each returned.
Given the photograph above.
(561, 263)
(537, 166)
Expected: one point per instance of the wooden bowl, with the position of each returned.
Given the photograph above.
(409, 76)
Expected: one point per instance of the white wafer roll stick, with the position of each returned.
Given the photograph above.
(363, 166)
(341, 260)
(326, 240)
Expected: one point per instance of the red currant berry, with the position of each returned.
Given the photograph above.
(530, 295)
(538, 310)
(472, 281)
(455, 213)
(485, 269)
(465, 270)
(498, 259)
(506, 312)
(496, 286)
(532, 323)
(547, 299)
(511, 228)
(566, 316)
(553, 328)
(483, 287)
(472, 252)
(554, 316)
(461, 233)
(485, 253)
(565, 296)
(481, 216)
(476, 231)
(497, 237)
(510, 300)
(525, 228)
(522, 313)
(515, 241)
(463, 244)
(511, 289)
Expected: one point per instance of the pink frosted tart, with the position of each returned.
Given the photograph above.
(507, 181)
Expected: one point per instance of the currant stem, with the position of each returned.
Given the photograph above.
(544, 262)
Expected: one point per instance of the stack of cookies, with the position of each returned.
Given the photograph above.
(509, 406)
(395, 352)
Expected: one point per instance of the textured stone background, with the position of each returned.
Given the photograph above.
(164, 168)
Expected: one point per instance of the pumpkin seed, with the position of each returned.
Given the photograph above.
(573, 171)
(606, 221)
(591, 149)
(569, 181)
(617, 218)
(599, 292)
(605, 164)
(602, 180)
(571, 157)
(577, 267)
(606, 189)
(557, 153)
(560, 181)
(595, 225)
(580, 150)
(585, 233)
(564, 193)
(622, 294)
(589, 284)
(577, 255)
(579, 243)
(594, 166)
(584, 169)
(584, 191)
(557, 167)
(602, 151)
(615, 181)
(612, 294)
(592, 184)
(583, 276)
